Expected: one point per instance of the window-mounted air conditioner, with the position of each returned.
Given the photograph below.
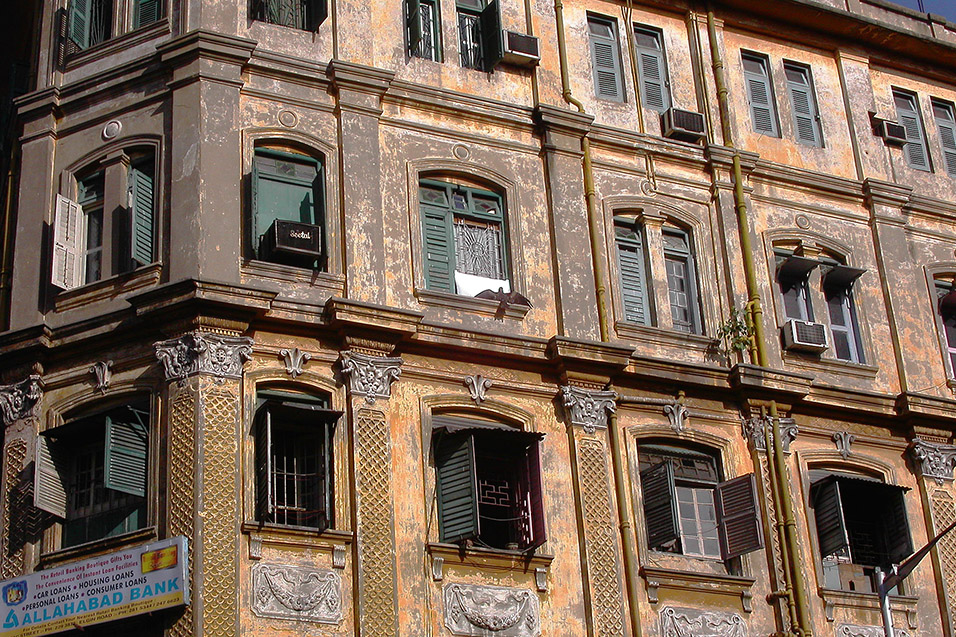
(684, 125)
(893, 134)
(292, 241)
(520, 49)
(805, 336)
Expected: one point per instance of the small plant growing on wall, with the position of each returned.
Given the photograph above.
(735, 334)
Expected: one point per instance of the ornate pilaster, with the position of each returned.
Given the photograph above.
(934, 461)
(587, 411)
(370, 379)
(19, 408)
(204, 371)
(755, 429)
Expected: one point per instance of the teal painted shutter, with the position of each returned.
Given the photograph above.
(947, 134)
(413, 26)
(127, 447)
(265, 501)
(606, 58)
(457, 495)
(315, 13)
(760, 95)
(897, 539)
(491, 34)
(147, 12)
(915, 149)
(652, 68)
(660, 505)
(738, 517)
(49, 486)
(437, 234)
(828, 513)
(81, 14)
(630, 256)
(805, 119)
(142, 211)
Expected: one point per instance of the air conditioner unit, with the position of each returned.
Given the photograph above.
(292, 242)
(893, 134)
(805, 336)
(684, 125)
(520, 49)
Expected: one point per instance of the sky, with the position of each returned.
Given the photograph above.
(945, 8)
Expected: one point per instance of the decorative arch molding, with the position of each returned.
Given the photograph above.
(489, 408)
(306, 382)
(89, 395)
(832, 460)
(307, 144)
(623, 203)
(823, 242)
(154, 142)
(940, 270)
(724, 446)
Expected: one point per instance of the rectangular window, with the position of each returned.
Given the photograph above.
(298, 14)
(946, 306)
(803, 104)
(423, 29)
(91, 200)
(90, 22)
(681, 280)
(907, 111)
(792, 276)
(629, 240)
(652, 68)
(92, 473)
(946, 123)
(838, 289)
(469, 33)
(294, 461)
(688, 510)
(763, 109)
(488, 482)
(606, 59)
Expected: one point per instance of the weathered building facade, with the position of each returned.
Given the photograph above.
(412, 324)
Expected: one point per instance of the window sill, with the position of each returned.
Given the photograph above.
(484, 307)
(698, 582)
(665, 338)
(485, 560)
(297, 538)
(119, 43)
(831, 365)
(110, 288)
(332, 283)
(833, 599)
(96, 547)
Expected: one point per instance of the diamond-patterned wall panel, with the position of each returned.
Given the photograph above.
(14, 459)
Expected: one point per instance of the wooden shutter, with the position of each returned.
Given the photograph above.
(49, 477)
(142, 212)
(738, 517)
(803, 105)
(760, 95)
(606, 58)
(326, 503)
(660, 504)
(125, 458)
(81, 15)
(828, 513)
(438, 247)
(316, 11)
(147, 12)
(67, 244)
(532, 481)
(947, 134)
(915, 148)
(265, 500)
(491, 35)
(413, 26)
(456, 488)
(630, 257)
(652, 69)
(897, 539)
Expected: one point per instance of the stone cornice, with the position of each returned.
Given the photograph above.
(926, 407)
(562, 121)
(587, 362)
(373, 323)
(753, 378)
(183, 52)
(723, 157)
(204, 353)
(359, 87)
(885, 193)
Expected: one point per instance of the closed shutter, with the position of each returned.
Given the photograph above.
(265, 499)
(67, 244)
(897, 539)
(828, 513)
(81, 15)
(127, 449)
(660, 505)
(947, 134)
(738, 517)
(413, 27)
(491, 35)
(803, 105)
(438, 242)
(915, 148)
(532, 481)
(315, 13)
(606, 58)
(760, 95)
(147, 12)
(652, 69)
(142, 212)
(49, 487)
(630, 255)
(456, 489)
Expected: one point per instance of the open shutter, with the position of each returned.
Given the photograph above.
(49, 486)
(532, 479)
(828, 513)
(947, 135)
(456, 489)
(915, 148)
(413, 26)
(67, 244)
(491, 35)
(316, 11)
(760, 96)
(142, 213)
(803, 106)
(897, 539)
(265, 501)
(325, 479)
(660, 505)
(606, 59)
(630, 255)
(81, 14)
(437, 233)
(127, 449)
(738, 518)
(147, 12)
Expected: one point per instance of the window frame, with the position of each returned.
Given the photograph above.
(837, 281)
(645, 76)
(946, 130)
(763, 124)
(119, 17)
(803, 105)
(307, 15)
(606, 65)
(685, 257)
(915, 150)
(945, 310)
(416, 34)
(634, 280)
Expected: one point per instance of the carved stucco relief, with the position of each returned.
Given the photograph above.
(478, 611)
(934, 461)
(218, 355)
(298, 593)
(852, 630)
(370, 376)
(19, 400)
(588, 409)
(754, 431)
(689, 622)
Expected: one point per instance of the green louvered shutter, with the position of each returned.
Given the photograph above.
(738, 517)
(456, 489)
(630, 257)
(915, 149)
(413, 27)
(606, 58)
(652, 69)
(127, 447)
(265, 502)
(760, 95)
(899, 544)
(660, 505)
(943, 113)
(147, 12)
(142, 212)
(49, 485)
(81, 14)
(439, 243)
(802, 103)
(828, 513)
(316, 11)
(491, 35)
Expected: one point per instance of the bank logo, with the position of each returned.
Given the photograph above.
(14, 593)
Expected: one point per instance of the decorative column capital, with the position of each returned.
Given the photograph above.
(755, 432)
(371, 376)
(935, 461)
(17, 401)
(204, 353)
(588, 409)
